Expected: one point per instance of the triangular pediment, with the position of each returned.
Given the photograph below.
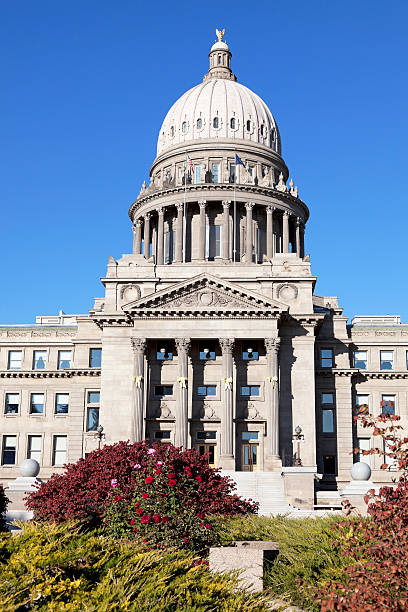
(203, 295)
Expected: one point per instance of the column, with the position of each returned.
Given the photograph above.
(202, 226)
(137, 237)
(160, 238)
(139, 350)
(227, 390)
(179, 233)
(285, 232)
(302, 240)
(146, 235)
(272, 398)
(344, 426)
(181, 437)
(298, 236)
(249, 247)
(269, 232)
(225, 235)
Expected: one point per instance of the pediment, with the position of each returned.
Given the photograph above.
(205, 295)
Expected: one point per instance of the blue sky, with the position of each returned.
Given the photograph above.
(86, 85)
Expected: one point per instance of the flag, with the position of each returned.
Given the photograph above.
(239, 161)
(190, 163)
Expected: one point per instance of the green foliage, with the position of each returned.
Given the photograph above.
(58, 568)
(308, 555)
(3, 507)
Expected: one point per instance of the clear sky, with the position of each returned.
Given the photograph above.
(85, 85)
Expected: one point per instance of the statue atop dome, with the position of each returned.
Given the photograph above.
(220, 34)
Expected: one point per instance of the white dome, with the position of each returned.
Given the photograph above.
(219, 108)
(220, 45)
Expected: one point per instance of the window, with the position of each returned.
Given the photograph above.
(329, 464)
(213, 241)
(363, 444)
(12, 404)
(273, 134)
(388, 404)
(327, 413)
(14, 360)
(94, 397)
(219, 59)
(207, 350)
(248, 125)
(9, 450)
(95, 357)
(197, 175)
(326, 358)
(232, 123)
(206, 435)
(263, 130)
(59, 450)
(169, 246)
(251, 172)
(64, 360)
(362, 404)
(250, 351)
(386, 360)
(162, 390)
(386, 459)
(184, 127)
(250, 435)
(216, 124)
(162, 435)
(34, 448)
(406, 359)
(232, 173)
(164, 351)
(172, 131)
(37, 403)
(251, 391)
(199, 124)
(360, 360)
(216, 173)
(39, 360)
(93, 410)
(61, 403)
(207, 390)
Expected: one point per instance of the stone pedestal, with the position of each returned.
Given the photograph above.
(299, 483)
(358, 488)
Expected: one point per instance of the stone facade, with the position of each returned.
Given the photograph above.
(210, 333)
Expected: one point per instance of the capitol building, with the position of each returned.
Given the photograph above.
(209, 334)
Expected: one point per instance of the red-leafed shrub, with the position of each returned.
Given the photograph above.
(3, 507)
(377, 579)
(82, 491)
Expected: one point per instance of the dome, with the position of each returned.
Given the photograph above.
(220, 45)
(219, 108)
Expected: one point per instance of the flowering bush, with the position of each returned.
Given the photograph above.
(3, 507)
(377, 578)
(87, 486)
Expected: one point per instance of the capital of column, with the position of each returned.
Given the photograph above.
(249, 205)
(270, 210)
(161, 211)
(182, 344)
(286, 214)
(147, 216)
(179, 207)
(298, 222)
(226, 205)
(137, 224)
(272, 345)
(202, 204)
(227, 345)
(139, 345)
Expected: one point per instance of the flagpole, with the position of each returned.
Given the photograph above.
(235, 213)
(184, 210)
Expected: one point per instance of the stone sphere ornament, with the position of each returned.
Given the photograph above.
(360, 471)
(29, 468)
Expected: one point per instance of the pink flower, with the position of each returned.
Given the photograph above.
(199, 479)
(208, 526)
(114, 482)
(156, 518)
(160, 463)
(149, 479)
(171, 475)
(172, 483)
(118, 498)
(145, 495)
(151, 451)
(137, 466)
(139, 511)
(146, 518)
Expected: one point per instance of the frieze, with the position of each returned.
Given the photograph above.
(48, 373)
(18, 333)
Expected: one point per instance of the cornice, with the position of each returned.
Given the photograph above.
(337, 372)
(49, 373)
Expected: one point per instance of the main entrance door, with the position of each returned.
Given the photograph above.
(207, 443)
(250, 451)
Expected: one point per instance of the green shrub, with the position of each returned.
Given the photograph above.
(56, 567)
(3, 507)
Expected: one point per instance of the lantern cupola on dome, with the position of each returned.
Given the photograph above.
(220, 60)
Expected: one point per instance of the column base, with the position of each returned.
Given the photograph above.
(272, 463)
(227, 462)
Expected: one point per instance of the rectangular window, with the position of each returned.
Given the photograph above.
(406, 359)
(9, 450)
(207, 390)
(326, 358)
(95, 357)
(216, 173)
(162, 435)
(250, 351)
(362, 404)
(64, 360)
(386, 459)
(207, 350)
(233, 173)
(197, 175)
(327, 413)
(206, 435)
(39, 360)
(14, 360)
(37, 403)
(164, 351)
(93, 418)
(12, 404)
(329, 464)
(251, 172)
(169, 246)
(162, 390)
(386, 360)
(364, 444)
(250, 435)
(360, 360)
(251, 391)
(61, 403)
(94, 397)
(34, 448)
(388, 404)
(59, 450)
(213, 241)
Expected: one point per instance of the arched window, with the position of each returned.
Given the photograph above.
(219, 59)
(172, 131)
(263, 130)
(273, 134)
(199, 124)
(232, 123)
(215, 123)
(248, 126)
(184, 127)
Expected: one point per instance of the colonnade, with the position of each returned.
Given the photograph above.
(287, 224)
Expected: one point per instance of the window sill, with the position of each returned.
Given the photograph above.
(16, 414)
